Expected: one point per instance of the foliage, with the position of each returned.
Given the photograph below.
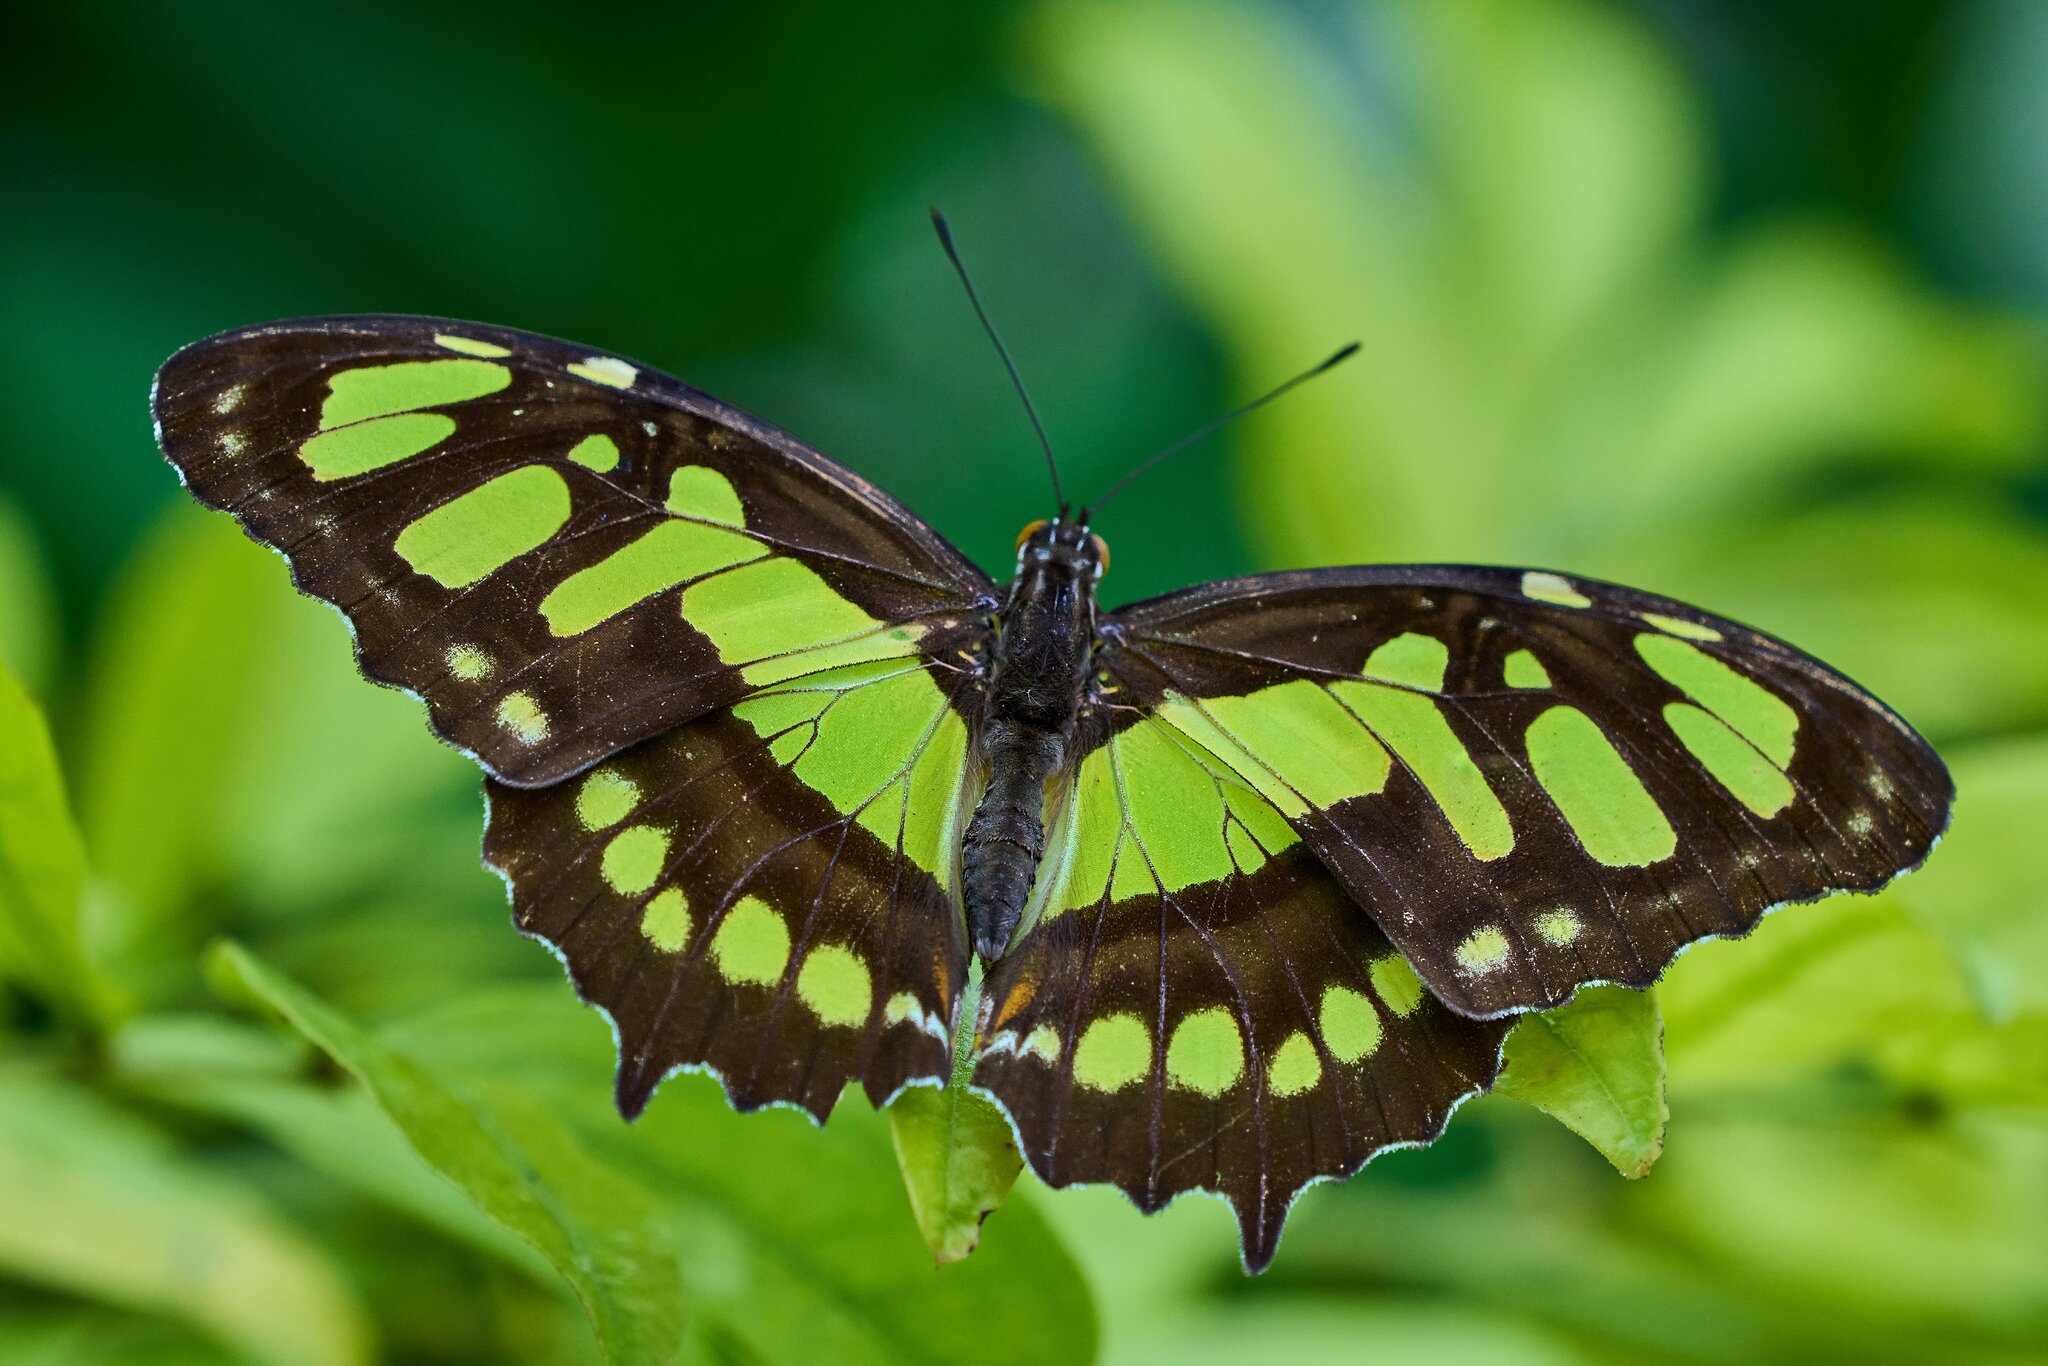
(958, 1156)
(100, 1203)
(693, 1232)
(1598, 1065)
(42, 867)
(1777, 422)
(376, 1126)
(696, 1233)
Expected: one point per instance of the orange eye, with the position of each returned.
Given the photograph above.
(1028, 532)
(1101, 555)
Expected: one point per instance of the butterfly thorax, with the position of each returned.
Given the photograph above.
(1038, 671)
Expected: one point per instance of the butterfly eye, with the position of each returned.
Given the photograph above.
(1028, 532)
(1101, 555)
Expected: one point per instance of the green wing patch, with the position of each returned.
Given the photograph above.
(1198, 1004)
(560, 552)
(765, 892)
(1533, 782)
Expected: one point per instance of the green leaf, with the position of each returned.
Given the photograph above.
(100, 1205)
(1811, 989)
(1856, 986)
(217, 695)
(694, 1224)
(804, 1234)
(42, 868)
(1511, 228)
(1792, 1226)
(519, 1165)
(1962, 1061)
(175, 654)
(1896, 1214)
(959, 1160)
(1596, 1064)
(958, 1155)
(255, 1079)
(1324, 1330)
(1805, 346)
(85, 1334)
(1984, 893)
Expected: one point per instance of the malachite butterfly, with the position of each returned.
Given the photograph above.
(1308, 841)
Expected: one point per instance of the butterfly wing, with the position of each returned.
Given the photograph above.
(1530, 782)
(749, 654)
(767, 891)
(562, 553)
(1200, 1005)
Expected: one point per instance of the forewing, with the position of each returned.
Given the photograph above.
(559, 551)
(1531, 782)
(1199, 1005)
(766, 891)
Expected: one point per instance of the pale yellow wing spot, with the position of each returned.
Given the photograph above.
(1553, 588)
(523, 718)
(607, 370)
(1559, 927)
(471, 346)
(1484, 950)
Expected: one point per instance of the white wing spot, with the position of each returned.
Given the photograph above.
(1043, 1042)
(471, 346)
(1861, 824)
(902, 1008)
(468, 663)
(230, 399)
(233, 443)
(522, 716)
(1679, 626)
(1881, 785)
(1483, 950)
(1553, 588)
(1559, 927)
(606, 370)
(650, 429)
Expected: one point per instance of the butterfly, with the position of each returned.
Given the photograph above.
(1257, 875)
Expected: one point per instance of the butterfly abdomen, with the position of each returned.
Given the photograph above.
(1005, 838)
(1043, 641)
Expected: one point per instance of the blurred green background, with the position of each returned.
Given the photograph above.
(1739, 301)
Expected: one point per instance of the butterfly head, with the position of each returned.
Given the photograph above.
(1061, 544)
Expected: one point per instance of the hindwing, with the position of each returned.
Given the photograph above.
(559, 551)
(1532, 782)
(767, 892)
(1200, 1005)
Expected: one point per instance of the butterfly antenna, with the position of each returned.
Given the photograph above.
(953, 255)
(1212, 428)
